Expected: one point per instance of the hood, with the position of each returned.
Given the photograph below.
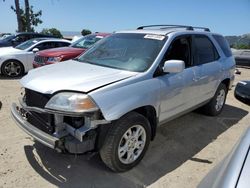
(72, 75)
(9, 50)
(64, 51)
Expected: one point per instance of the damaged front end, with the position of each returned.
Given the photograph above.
(66, 121)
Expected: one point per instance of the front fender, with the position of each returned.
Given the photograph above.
(114, 103)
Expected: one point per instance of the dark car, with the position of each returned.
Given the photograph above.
(18, 38)
(78, 47)
(242, 57)
(242, 91)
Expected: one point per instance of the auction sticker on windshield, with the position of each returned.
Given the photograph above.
(155, 37)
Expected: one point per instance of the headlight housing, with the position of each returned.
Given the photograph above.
(71, 102)
(55, 59)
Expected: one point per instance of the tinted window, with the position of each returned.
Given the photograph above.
(46, 45)
(223, 45)
(205, 51)
(180, 50)
(62, 44)
(21, 38)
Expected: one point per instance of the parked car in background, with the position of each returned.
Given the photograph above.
(51, 56)
(242, 57)
(18, 38)
(242, 91)
(15, 61)
(234, 170)
(113, 97)
(4, 35)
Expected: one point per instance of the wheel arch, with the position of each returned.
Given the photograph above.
(226, 81)
(12, 59)
(150, 113)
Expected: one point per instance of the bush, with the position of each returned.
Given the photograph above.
(53, 31)
(86, 32)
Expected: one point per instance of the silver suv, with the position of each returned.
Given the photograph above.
(112, 98)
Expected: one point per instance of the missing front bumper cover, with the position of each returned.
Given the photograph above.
(73, 140)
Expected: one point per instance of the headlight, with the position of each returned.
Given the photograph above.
(71, 102)
(55, 59)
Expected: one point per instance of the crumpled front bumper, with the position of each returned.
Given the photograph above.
(36, 133)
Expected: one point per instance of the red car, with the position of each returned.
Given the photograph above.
(55, 55)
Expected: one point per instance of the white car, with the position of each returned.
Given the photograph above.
(15, 61)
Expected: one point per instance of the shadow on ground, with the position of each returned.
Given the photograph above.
(2, 77)
(174, 144)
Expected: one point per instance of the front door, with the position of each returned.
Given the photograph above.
(178, 90)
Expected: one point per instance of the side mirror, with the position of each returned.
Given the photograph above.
(173, 66)
(35, 50)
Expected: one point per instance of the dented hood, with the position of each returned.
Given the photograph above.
(72, 75)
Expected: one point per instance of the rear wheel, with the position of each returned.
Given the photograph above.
(126, 142)
(12, 68)
(216, 104)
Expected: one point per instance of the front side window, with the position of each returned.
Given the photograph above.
(126, 51)
(180, 49)
(205, 51)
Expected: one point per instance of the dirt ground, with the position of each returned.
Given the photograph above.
(181, 155)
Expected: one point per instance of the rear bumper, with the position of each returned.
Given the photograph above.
(37, 134)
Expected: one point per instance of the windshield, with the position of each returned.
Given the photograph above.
(27, 44)
(86, 42)
(126, 51)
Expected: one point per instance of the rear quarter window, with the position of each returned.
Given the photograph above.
(223, 45)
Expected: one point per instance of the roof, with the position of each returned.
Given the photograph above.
(166, 29)
(50, 39)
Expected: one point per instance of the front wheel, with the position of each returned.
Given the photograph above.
(12, 68)
(126, 142)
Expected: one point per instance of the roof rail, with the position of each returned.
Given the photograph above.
(174, 26)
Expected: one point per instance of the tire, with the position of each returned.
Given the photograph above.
(12, 68)
(216, 104)
(127, 126)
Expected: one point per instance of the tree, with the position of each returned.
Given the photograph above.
(86, 32)
(53, 31)
(33, 19)
(26, 17)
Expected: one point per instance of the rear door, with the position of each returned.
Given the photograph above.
(207, 65)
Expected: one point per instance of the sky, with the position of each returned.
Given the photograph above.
(228, 17)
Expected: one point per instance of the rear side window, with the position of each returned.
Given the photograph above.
(223, 45)
(205, 51)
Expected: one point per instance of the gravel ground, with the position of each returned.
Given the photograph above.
(181, 155)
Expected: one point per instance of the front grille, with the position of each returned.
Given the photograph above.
(42, 121)
(36, 99)
(40, 59)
